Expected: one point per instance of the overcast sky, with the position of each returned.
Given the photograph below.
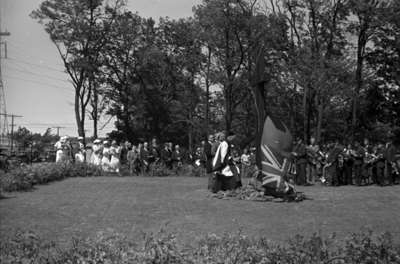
(36, 86)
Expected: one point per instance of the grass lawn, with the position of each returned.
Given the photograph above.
(130, 205)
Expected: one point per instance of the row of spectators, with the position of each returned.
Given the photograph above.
(331, 164)
(344, 164)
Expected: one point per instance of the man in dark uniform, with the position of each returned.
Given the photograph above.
(313, 162)
(209, 158)
(390, 162)
(301, 162)
(144, 157)
(335, 163)
(348, 165)
(380, 165)
(358, 157)
(154, 152)
(166, 156)
(368, 168)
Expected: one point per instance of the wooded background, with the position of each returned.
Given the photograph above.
(331, 67)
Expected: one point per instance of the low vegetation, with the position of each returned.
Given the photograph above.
(109, 247)
(24, 177)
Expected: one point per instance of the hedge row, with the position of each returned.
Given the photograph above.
(110, 247)
(25, 177)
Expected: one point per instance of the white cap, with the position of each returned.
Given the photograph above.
(97, 141)
(80, 138)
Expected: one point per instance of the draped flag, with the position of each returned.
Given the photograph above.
(274, 141)
(275, 145)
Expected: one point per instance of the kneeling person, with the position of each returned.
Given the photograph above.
(226, 173)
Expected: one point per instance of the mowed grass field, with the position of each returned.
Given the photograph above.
(132, 205)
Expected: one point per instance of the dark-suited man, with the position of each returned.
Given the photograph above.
(166, 156)
(300, 155)
(209, 157)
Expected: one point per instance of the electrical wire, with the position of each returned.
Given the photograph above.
(20, 50)
(33, 64)
(35, 74)
(37, 82)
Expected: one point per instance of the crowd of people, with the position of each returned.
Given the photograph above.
(331, 164)
(346, 164)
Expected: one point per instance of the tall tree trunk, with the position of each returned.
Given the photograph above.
(190, 132)
(362, 41)
(207, 119)
(77, 107)
(228, 106)
(305, 113)
(95, 114)
(319, 121)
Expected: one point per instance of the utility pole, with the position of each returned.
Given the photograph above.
(12, 128)
(3, 108)
(58, 130)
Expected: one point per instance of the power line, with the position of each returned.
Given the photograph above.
(23, 54)
(37, 82)
(35, 74)
(35, 64)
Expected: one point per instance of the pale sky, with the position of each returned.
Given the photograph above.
(35, 84)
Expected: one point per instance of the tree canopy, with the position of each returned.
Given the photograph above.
(330, 68)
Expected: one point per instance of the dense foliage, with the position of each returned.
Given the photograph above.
(24, 177)
(330, 67)
(109, 247)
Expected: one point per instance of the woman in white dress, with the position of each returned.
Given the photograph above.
(115, 151)
(105, 161)
(62, 150)
(97, 152)
(80, 154)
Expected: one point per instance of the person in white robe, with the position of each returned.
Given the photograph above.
(105, 161)
(62, 150)
(115, 152)
(227, 173)
(97, 152)
(81, 153)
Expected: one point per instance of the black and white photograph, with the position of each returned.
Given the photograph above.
(200, 131)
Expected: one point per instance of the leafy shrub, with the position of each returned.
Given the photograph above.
(160, 170)
(26, 176)
(109, 247)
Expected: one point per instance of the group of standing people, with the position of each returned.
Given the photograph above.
(225, 165)
(346, 164)
(142, 157)
(65, 150)
(106, 155)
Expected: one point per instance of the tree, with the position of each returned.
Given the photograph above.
(224, 23)
(383, 97)
(79, 29)
(364, 27)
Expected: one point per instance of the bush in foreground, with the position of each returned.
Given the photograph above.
(109, 247)
(25, 177)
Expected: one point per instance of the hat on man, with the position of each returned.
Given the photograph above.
(97, 141)
(80, 138)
